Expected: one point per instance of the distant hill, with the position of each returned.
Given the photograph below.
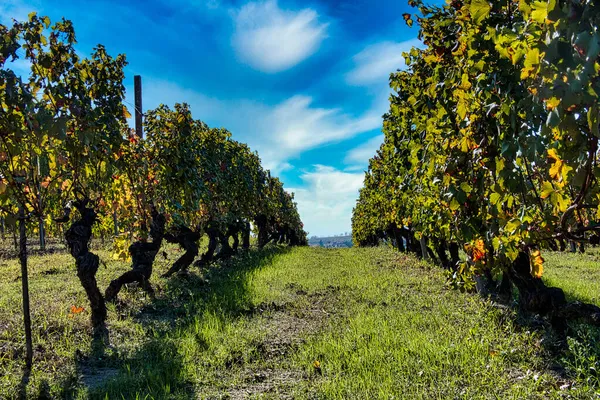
(331, 241)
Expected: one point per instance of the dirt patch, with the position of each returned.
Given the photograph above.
(287, 327)
(95, 377)
(277, 383)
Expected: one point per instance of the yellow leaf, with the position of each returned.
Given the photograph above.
(537, 264)
(126, 112)
(539, 12)
(553, 155)
(465, 82)
(552, 103)
(527, 72)
(556, 169)
(559, 170)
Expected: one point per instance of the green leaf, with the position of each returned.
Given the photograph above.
(512, 226)
(461, 110)
(454, 205)
(495, 198)
(592, 117)
(466, 187)
(480, 9)
(547, 190)
(559, 201)
(553, 119)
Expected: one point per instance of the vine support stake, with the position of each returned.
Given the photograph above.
(137, 85)
(25, 286)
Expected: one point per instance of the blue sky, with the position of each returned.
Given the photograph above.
(304, 83)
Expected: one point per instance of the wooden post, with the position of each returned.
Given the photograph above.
(137, 86)
(25, 287)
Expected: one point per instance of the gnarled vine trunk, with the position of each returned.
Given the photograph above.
(236, 241)
(187, 240)
(536, 297)
(454, 255)
(413, 245)
(233, 230)
(226, 251)
(78, 237)
(246, 235)
(283, 235)
(263, 233)
(440, 248)
(143, 255)
(398, 238)
(213, 241)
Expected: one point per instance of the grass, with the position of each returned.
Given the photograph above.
(292, 323)
(577, 274)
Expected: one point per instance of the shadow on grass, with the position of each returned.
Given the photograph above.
(22, 390)
(572, 353)
(157, 369)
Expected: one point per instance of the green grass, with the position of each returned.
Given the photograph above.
(380, 324)
(577, 274)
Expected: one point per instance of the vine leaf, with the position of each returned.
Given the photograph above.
(537, 264)
(480, 9)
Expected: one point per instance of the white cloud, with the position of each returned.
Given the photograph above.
(326, 200)
(375, 63)
(297, 125)
(15, 9)
(278, 132)
(360, 155)
(271, 39)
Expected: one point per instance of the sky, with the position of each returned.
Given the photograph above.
(304, 83)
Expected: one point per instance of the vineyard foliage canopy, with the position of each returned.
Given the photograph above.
(491, 139)
(67, 155)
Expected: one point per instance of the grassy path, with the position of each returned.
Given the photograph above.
(281, 323)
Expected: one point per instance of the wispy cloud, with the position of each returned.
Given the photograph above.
(359, 156)
(271, 39)
(326, 199)
(299, 126)
(375, 63)
(15, 9)
(278, 132)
